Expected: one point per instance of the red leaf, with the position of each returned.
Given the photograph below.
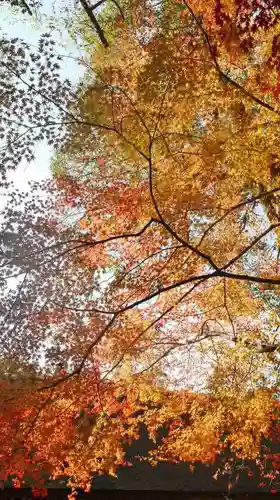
(101, 161)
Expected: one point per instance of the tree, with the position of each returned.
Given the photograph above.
(157, 241)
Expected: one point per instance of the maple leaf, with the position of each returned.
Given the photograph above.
(148, 288)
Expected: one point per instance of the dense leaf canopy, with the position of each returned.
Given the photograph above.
(141, 283)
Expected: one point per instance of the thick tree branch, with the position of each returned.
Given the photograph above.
(168, 228)
(97, 4)
(95, 23)
(197, 279)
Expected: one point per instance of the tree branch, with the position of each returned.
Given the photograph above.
(253, 243)
(79, 368)
(92, 18)
(26, 7)
(220, 71)
(119, 8)
(236, 207)
(168, 228)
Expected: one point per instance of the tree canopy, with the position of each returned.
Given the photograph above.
(143, 286)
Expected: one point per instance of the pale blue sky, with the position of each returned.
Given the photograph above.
(29, 30)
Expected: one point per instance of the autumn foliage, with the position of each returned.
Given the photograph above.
(151, 283)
